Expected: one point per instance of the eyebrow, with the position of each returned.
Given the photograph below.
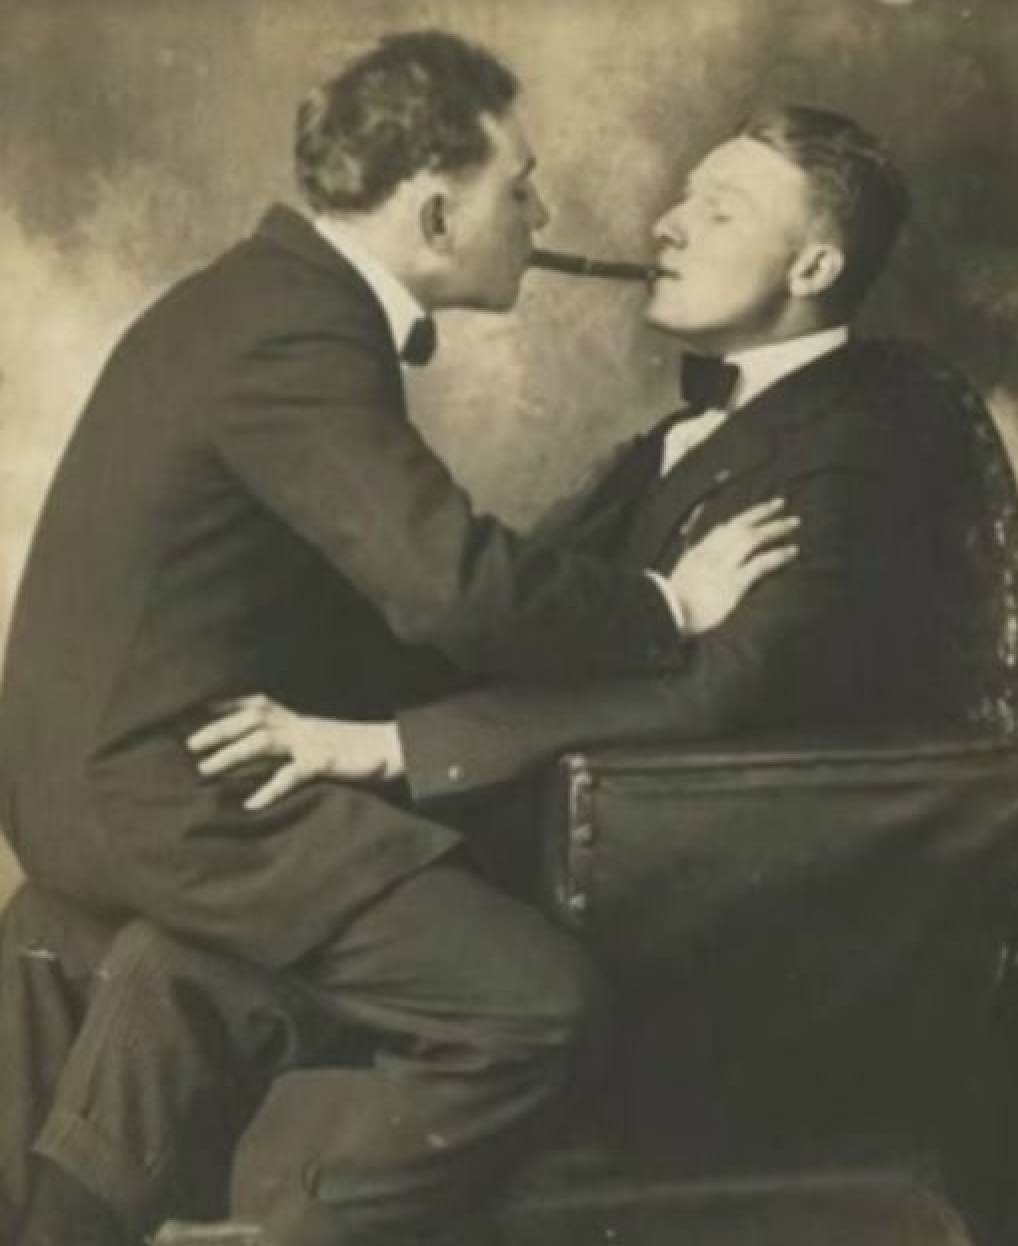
(718, 186)
(525, 170)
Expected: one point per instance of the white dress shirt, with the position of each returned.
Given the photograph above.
(401, 309)
(759, 368)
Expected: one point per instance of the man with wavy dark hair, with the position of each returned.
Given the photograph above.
(763, 260)
(415, 102)
(281, 525)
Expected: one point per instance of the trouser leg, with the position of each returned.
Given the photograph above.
(473, 1016)
(47, 954)
(175, 1051)
(483, 1016)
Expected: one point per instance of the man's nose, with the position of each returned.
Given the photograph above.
(669, 228)
(539, 216)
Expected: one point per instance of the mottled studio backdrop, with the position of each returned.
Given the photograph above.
(140, 136)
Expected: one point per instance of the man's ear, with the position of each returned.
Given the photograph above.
(816, 269)
(435, 222)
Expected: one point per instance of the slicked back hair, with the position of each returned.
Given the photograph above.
(853, 180)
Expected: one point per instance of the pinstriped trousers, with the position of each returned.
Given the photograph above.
(407, 1066)
(47, 954)
(115, 1062)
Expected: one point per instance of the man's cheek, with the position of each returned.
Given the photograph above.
(713, 291)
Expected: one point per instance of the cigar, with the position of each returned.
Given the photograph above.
(582, 266)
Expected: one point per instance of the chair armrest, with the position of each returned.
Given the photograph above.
(657, 854)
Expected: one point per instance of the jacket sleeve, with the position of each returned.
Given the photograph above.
(309, 425)
(792, 650)
(593, 518)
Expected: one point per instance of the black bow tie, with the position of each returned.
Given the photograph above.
(707, 382)
(420, 342)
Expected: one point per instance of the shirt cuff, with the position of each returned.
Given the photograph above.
(674, 605)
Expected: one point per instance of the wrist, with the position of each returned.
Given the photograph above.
(391, 751)
(673, 599)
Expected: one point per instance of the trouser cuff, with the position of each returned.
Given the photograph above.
(124, 1185)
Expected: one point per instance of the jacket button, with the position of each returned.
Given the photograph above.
(455, 774)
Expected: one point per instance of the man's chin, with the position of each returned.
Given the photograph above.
(668, 320)
(498, 302)
(511, 294)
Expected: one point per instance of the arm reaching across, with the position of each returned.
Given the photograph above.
(310, 428)
(257, 729)
(710, 580)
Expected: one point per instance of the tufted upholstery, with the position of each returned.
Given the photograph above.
(806, 937)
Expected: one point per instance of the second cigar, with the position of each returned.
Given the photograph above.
(582, 266)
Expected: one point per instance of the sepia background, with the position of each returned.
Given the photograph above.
(137, 139)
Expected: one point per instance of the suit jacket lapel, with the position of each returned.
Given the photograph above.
(746, 440)
(621, 496)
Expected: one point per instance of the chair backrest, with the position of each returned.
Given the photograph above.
(979, 618)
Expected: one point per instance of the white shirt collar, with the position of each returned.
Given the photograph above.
(759, 368)
(401, 309)
(762, 366)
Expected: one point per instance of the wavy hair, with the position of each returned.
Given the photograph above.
(415, 101)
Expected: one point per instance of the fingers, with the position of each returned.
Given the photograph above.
(257, 704)
(286, 779)
(771, 530)
(742, 540)
(759, 513)
(765, 563)
(225, 730)
(235, 717)
(252, 747)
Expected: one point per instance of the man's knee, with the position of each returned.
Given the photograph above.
(558, 1000)
(150, 981)
(576, 997)
(143, 954)
(158, 959)
(240, 1011)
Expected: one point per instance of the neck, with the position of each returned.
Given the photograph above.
(384, 239)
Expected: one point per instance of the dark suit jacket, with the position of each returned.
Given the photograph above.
(243, 506)
(869, 452)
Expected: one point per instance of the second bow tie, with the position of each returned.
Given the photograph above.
(420, 343)
(707, 382)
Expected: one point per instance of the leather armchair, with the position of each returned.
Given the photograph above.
(804, 945)
(808, 945)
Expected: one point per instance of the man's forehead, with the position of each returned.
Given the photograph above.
(510, 144)
(747, 167)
